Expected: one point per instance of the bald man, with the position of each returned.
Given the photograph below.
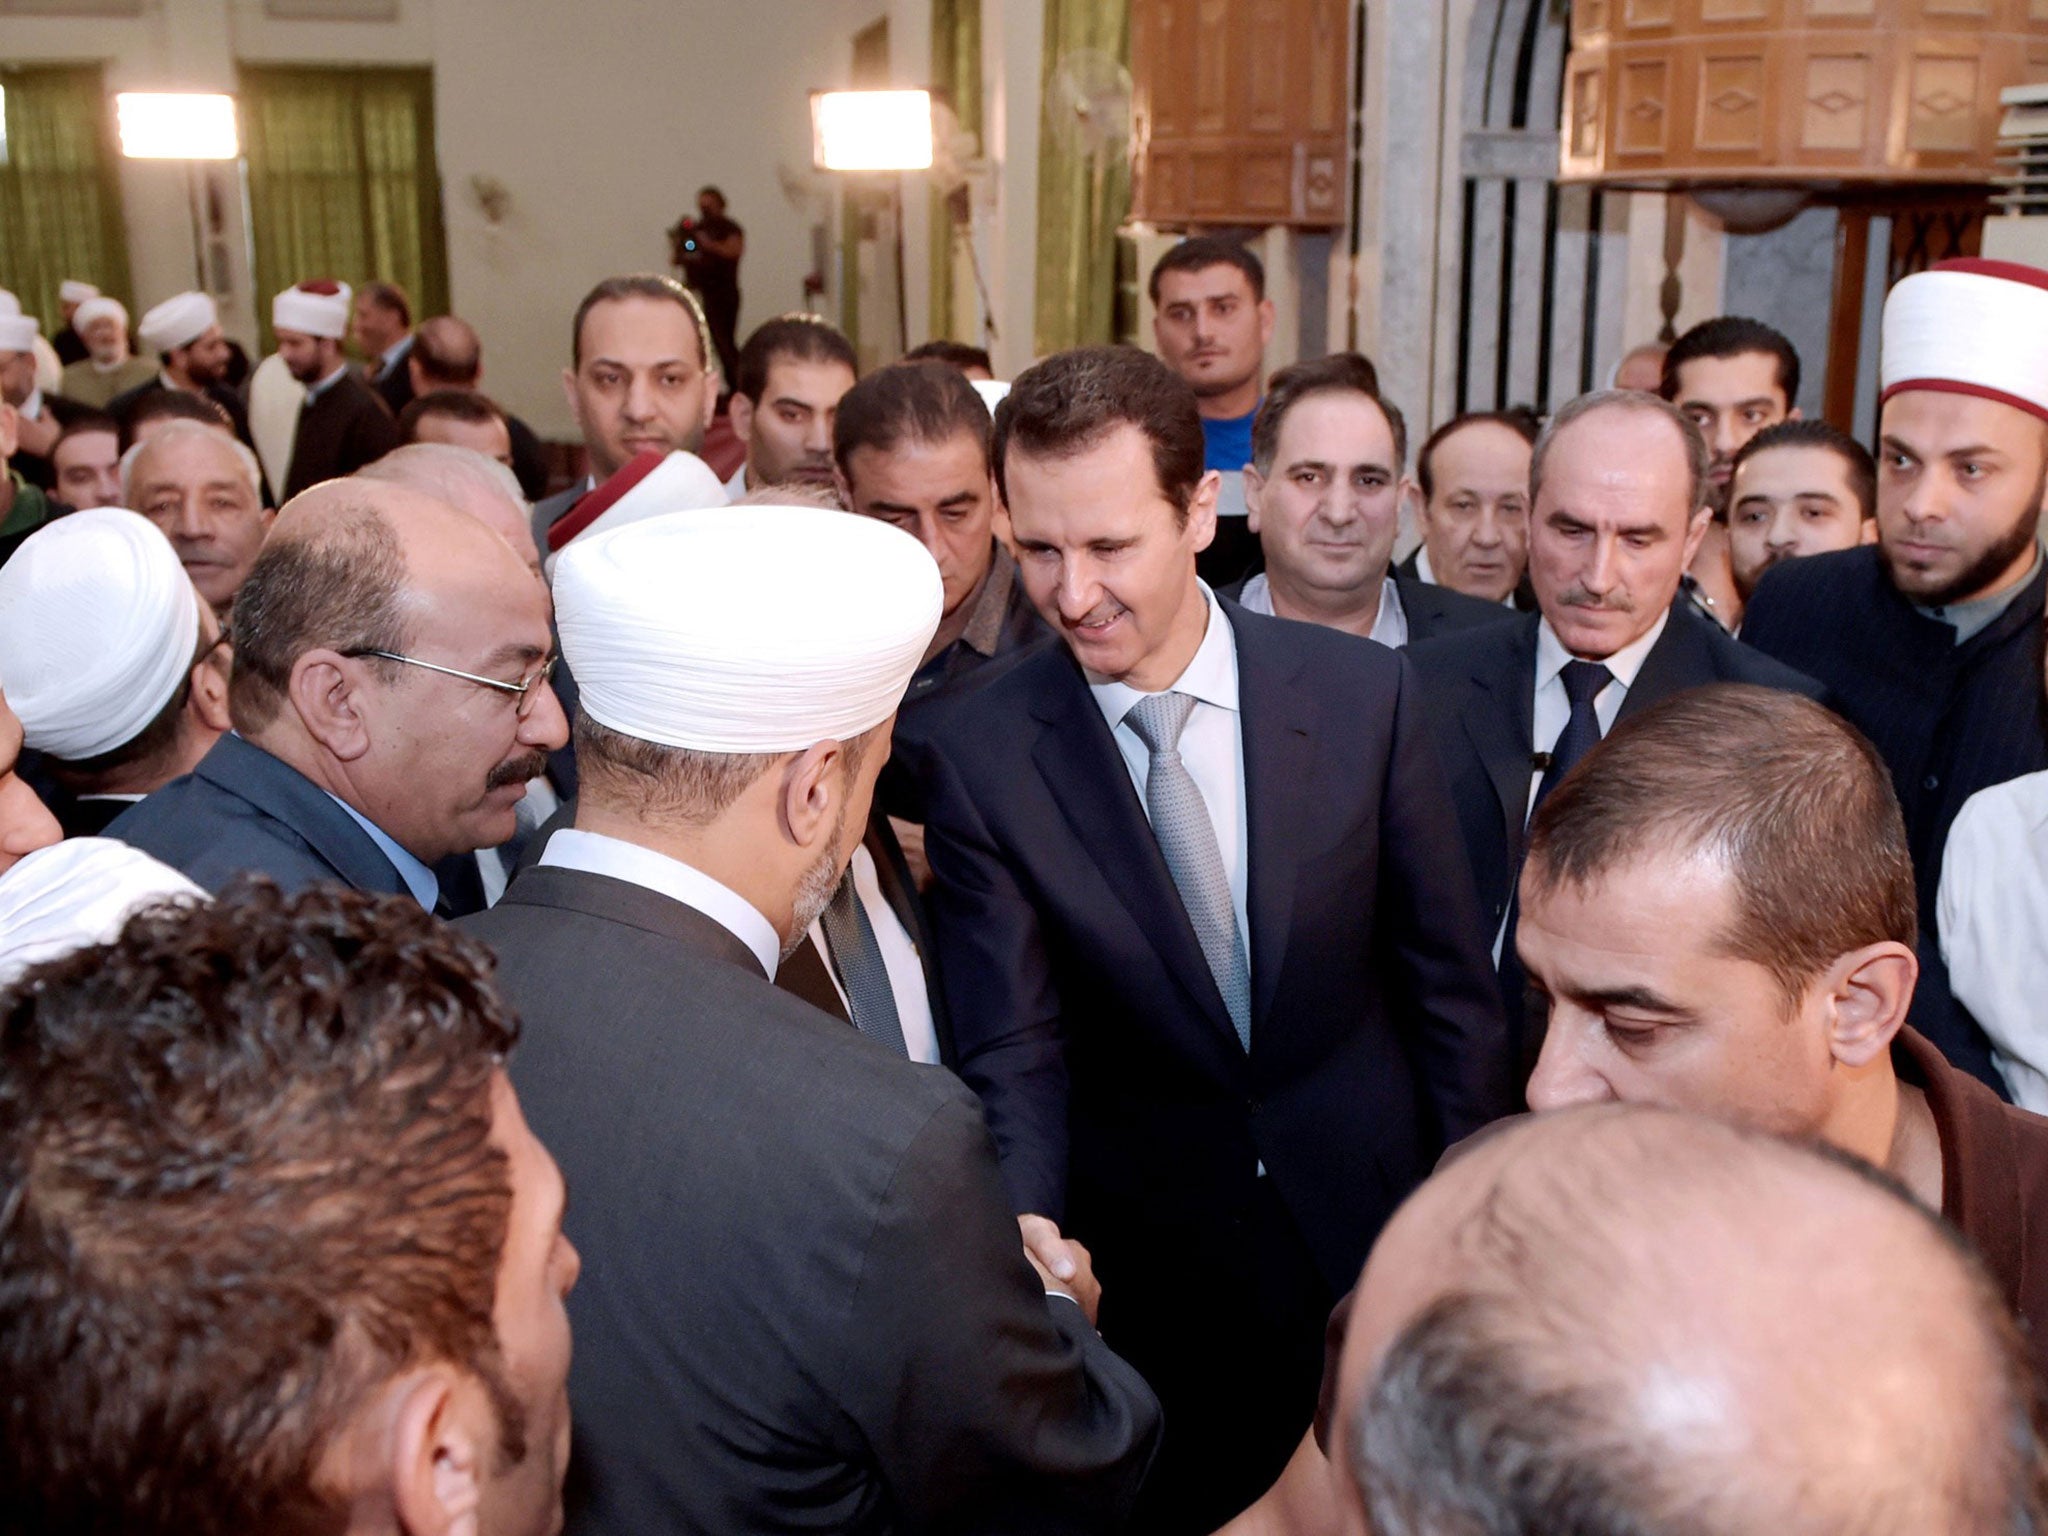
(1624, 1319)
(390, 701)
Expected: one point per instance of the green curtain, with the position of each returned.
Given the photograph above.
(343, 181)
(956, 77)
(1081, 199)
(60, 190)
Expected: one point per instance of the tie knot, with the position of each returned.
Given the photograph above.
(1158, 719)
(1583, 681)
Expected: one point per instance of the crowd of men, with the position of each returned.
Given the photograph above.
(999, 962)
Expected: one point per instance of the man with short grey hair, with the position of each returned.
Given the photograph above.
(1618, 491)
(205, 490)
(1622, 1319)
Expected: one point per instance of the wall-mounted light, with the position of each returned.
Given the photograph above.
(871, 130)
(177, 125)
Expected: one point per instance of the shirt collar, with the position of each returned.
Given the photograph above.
(1423, 569)
(32, 407)
(1971, 618)
(736, 487)
(390, 355)
(984, 631)
(1211, 676)
(424, 884)
(1389, 623)
(315, 391)
(596, 854)
(1624, 664)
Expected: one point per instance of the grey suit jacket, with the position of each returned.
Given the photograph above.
(804, 1304)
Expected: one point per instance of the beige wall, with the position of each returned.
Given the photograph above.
(600, 120)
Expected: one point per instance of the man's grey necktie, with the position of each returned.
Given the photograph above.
(862, 971)
(1187, 837)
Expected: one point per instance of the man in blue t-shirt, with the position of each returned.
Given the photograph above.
(1211, 321)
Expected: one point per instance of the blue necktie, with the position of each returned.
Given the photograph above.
(1187, 837)
(1582, 681)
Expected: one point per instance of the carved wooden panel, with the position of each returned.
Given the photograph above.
(1241, 111)
(1678, 92)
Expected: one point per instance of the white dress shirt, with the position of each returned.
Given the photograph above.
(1993, 916)
(1389, 625)
(1211, 744)
(1554, 706)
(736, 487)
(899, 958)
(596, 854)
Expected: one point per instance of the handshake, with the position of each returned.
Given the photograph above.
(1062, 1264)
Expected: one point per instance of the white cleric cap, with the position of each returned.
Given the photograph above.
(9, 304)
(99, 307)
(98, 625)
(78, 892)
(1971, 327)
(317, 308)
(18, 333)
(178, 322)
(746, 629)
(72, 291)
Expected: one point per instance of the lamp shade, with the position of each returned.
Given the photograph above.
(871, 130)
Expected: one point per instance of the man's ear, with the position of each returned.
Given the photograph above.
(208, 699)
(739, 411)
(1870, 990)
(1202, 509)
(1254, 494)
(575, 405)
(812, 787)
(10, 431)
(439, 1451)
(1266, 320)
(1696, 535)
(326, 691)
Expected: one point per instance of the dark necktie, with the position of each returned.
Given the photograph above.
(1582, 681)
(1187, 837)
(862, 971)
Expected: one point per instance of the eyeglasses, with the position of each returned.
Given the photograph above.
(527, 688)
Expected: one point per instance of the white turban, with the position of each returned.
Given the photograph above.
(1969, 327)
(18, 333)
(9, 304)
(72, 291)
(99, 308)
(312, 314)
(98, 625)
(178, 322)
(992, 391)
(746, 629)
(647, 485)
(78, 892)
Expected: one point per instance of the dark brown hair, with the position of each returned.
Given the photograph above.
(1339, 373)
(918, 402)
(337, 586)
(1785, 796)
(1815, 433)
(800, 338)
(1733, 336)
(958, 353)
(645, 285)
(174, 405)
(450, 404)
(245, 1178)
(1198, 253)
(390, 298)
(1070, 402)
(1519, 420)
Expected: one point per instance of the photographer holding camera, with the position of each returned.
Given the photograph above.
(708, 249)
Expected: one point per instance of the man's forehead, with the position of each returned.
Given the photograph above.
(1336, 426)
(1220, 280)
(1740, 373)
(1793, 470)
(78, 445)
(807, 378)
(640, 329)
(1933, 421)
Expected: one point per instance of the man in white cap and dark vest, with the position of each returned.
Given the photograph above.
(184, 332)
(69, 342)
(1930, 641)
(108, 369)
(343, 425)
(805, 1304)
(115, 667)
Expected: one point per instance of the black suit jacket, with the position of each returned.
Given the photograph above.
(1480, 688)
(242, 809)
(1430, 610)
(1948, 720)
(340, 431)
(1086, 1015)
(394, 384)
(803, 1303)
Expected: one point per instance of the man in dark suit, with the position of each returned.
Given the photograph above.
(447, 358)
(1214, 963)
(640, 379)
(343, 423)
(390, 702)
(1931, 639)
(381, 326)
(1323, 491)
(1472, 507)
(1618, 496)
(804, 1304)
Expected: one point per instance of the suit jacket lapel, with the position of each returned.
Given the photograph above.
(1078, 759)
(1680, 659)
(1499, 720)
(1276, 714)
(280, 791)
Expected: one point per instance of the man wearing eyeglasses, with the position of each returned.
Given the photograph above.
(390, 701)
